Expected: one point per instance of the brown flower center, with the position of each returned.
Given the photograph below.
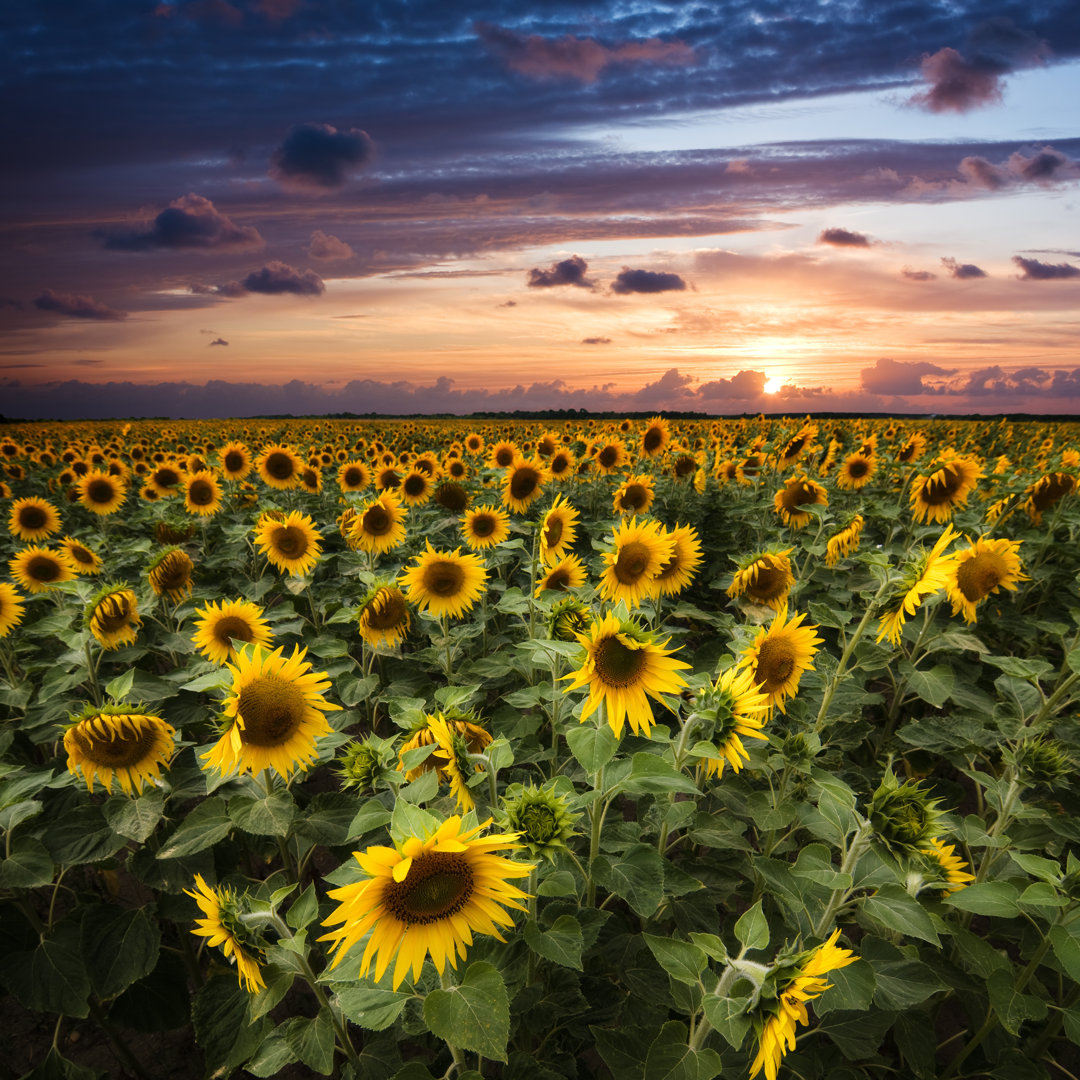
(775, 664)
(386, 611)
(632, 562)
(290, 542)
(608, 456)
(524, 482)
(771, 582)
(616, 664)
(942, 487)
(43, 568)
(280, 465)
(635, 497)
(652, 440)
(439, 884)
(978, 576)
(232, 626)
(100, 491)
(376, 521)
(271, 709)
(444, 578)
(201, 493)
(125, 749)
(353, 477)
(414, 485)
(234, 461)
(553, 530)
(166, 477)
(504, 456)
(112, 613)
(32, 517)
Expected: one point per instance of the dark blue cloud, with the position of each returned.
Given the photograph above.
(962, 271)
(647, 281)
(188, 222)
(565, 272)
(277, 277)
(77, 306)
(1034, 270)
(319, 158)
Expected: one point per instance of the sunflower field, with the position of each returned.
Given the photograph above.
(648, 749)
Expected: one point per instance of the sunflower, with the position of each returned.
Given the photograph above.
(353, 476)
(747, 470)
(11, 608)
(524, 483)
(561, 464)
(928, 575)
(101, 493)
(222, 926)
(936, 496)
(779, 655)
(279, 466)
(291, 544)
(655, 437)
(388, 477)
(416, 487)
(37, 568)
(452, 496)
(235, 460)
(310, 478)
(445, 582)
(463, 725)
(558, 531)
(764, 579)
(33, 519)
(634, 496)
(219, 624)
(951, 866)
(624, 666)
(202, 493)
(845, 542)
(451, 759)
(1045, 492)
(913, 448)
(979, 571)
(83, 560)
(170, 574)
(798, 491)
(568, 573)
(276, 706)
(679, 569)
(379, 525)
(805, 981)
(738, 710)
(485, 526)
(638, 555)
(428, 895)
(794, 447)
(113, 743)
(502, 454)
(165, 480)
(610, 457)
(474, 443)
(383, 617)
(856, 471)
(113, 617)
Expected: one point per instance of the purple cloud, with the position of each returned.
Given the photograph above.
(917, 275)
(1034, 270)
(77, 307)
(744, 386)
(646, 281)
(327, 248)
(957, 84)
(596, 341)
(895, 377)
(219, 341)
(318, 158)
(190, 223)
(277, 277)
(843, 238)
(963, 271)
(565, 272)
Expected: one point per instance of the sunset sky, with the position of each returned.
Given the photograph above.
(227, 207)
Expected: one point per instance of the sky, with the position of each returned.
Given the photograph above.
(240, 207)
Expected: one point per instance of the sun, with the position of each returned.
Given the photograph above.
(772, 384)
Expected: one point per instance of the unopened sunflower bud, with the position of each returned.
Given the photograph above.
(541, 816)
(904, 817)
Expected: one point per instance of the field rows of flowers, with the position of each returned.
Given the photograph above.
(657, 750)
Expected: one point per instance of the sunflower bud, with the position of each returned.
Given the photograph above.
(1041, 761)
(542, 817)
(569, 617)
(365, 764)
(903, 816)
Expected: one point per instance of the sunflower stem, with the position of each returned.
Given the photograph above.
(446, 641)
(597, 817)
(92, 672)
(10, 668)
(532, 579)
(858, 846)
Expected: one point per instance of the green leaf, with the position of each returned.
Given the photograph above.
(638, 877)
(1067, 950)
(222, 1029)
(119, 946)
(312, 1040)
(1021, 667)
(728, 1017)
(1040, 894)
(274, 1054)
(474, 1015)
(51, 978)
(902, 984)
(987, 898)
(210, 681)
(409, 820)
(1048, 870)
(304, 910)
(119, 688)
(1012, 1006)
(371, 816)
(28, 865)
(856, 1035)
(851, 988)
(815, 864)
(204, 826)
(81, 835)
(893, 907)
(670, 1058)
(268, 815)
(933, 686)
(713, 946)
(18, 812)
(135, 818)
(57, 1067)
(561, 944)
(157, 1002)
(752, 928)
(682, 960)
(423, 788)
(371, 1007)
(652, 775)
(559, 883)
(593, 746)
(278, 982)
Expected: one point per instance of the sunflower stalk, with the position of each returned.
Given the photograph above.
(11, 669)
(597, 812)
(860, 843)
(92, 673)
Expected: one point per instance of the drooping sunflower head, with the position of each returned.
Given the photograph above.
(845, 542)
(452, 496)
(793, 449)
(37, 569)
(363, 765)
(202, 493)
(779, 655)
(655, 437)
(223, 925)
(981, 570)
(170, 574)
(1046, 491)
(936, 496)
(678, 570)
(904, 816)
(624, 666)
(279, 466)
(112, 616)
(485, 526)
(798, 491)
(733, 709)
(541, 816)
(639, 553)
(912, 448)
(274, 712)
(445, 582)
(524, 483)
(946, 864)
(219, 624)
(383, 617)
(926, 574)
(291, 544)
(32, 519)
(118, 742)
(558, 530)
(379, 525)
(1042, 760)
(11, 608)
(83, 559)
(765, 578)
(568, 573)
(101, 493)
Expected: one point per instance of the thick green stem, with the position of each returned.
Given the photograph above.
(859, 843)
(92, 672)
(597, 811)
(446, 642)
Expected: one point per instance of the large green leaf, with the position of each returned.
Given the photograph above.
(638, 877)
(670, 1058)
(52, 977)
(475, 1014)
(682, 960)
(119, 946)
(204, 826)
(267, 815)
(561, 944)
(593, 746)
(370, 1006)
